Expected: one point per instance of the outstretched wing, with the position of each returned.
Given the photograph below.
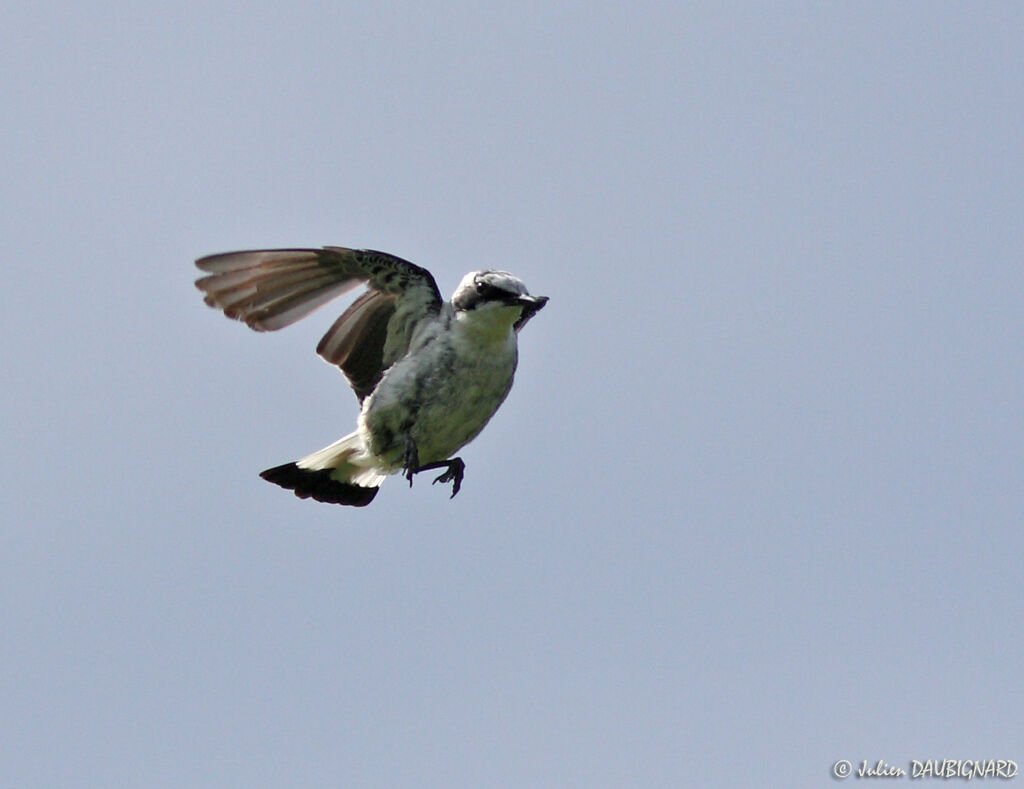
(271, 289)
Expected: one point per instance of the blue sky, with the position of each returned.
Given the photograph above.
(754, 504)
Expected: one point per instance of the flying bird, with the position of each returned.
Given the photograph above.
(429, 374)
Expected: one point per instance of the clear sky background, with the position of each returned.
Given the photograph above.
(754, 504)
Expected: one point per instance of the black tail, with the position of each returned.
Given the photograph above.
(319, 485)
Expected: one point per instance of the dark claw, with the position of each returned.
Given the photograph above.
(454, 473)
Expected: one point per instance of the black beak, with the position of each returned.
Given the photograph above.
(531, 306)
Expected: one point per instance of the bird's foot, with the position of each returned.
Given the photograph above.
(455, 470)
(454, 473)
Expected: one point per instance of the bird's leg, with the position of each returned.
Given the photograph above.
(411, 461)
(455, 469)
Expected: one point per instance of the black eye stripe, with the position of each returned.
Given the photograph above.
(488, 291)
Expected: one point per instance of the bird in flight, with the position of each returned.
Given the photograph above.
(429, 374)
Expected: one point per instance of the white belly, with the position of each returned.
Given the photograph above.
(441, 397)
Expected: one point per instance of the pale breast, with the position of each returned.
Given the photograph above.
(465, 403)
(441, 398)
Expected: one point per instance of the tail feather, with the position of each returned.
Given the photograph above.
(319, 484)
(333, 474)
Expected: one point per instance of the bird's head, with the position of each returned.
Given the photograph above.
(491, 292)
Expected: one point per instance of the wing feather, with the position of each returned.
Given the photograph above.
(271, 289)
(355, 342)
